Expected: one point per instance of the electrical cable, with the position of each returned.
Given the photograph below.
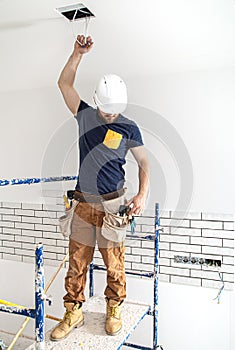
(75, 37)
(221, 289)
(86, 13)
(87, 21)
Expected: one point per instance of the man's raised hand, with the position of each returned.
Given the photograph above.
(83, 45)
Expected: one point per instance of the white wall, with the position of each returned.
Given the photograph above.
(200, 105)
(38, 136)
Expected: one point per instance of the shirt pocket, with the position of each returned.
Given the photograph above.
(112, 139)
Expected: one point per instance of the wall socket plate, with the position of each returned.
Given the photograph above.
(197, 261)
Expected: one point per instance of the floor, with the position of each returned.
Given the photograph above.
(21, 344)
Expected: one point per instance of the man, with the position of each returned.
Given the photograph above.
(105, 136)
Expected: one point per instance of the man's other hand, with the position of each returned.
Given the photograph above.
(137, 204)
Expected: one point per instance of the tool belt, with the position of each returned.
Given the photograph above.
(92, 198)
(115, 221)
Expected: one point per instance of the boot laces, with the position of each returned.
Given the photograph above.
(68, 318)
(113, 311)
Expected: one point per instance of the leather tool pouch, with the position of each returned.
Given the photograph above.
(66, 219)
(114, 226)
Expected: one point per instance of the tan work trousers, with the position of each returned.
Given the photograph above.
(86, 230)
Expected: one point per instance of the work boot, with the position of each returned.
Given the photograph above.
(113, 317)
(73, 318)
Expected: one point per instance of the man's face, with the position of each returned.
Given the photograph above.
(108, 118)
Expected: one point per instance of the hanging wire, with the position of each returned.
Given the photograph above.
(85, 12)
(75, 37)
(87, 21)
(221, 289)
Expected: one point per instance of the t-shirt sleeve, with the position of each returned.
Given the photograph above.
(135, 139)
(82, 107)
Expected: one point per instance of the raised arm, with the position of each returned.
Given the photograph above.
(139, 200)
(67, 76)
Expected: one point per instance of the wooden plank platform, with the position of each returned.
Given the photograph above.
(92, 335)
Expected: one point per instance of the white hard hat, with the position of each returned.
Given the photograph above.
(111, 94)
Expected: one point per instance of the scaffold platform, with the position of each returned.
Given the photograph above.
(92, 334)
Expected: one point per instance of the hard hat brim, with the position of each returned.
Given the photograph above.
(110, 108)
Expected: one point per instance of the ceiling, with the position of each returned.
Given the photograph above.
(132, 38)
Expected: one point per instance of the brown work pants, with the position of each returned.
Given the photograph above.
(86, 230)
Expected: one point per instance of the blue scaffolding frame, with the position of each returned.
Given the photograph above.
(38, 313)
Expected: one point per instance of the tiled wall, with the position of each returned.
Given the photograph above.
(195, 234)
(210, 236)
(23, 225)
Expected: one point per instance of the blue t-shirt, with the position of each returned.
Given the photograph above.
(103, 148)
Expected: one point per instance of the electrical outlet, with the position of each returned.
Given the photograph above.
(213, 262)
(197, 261)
